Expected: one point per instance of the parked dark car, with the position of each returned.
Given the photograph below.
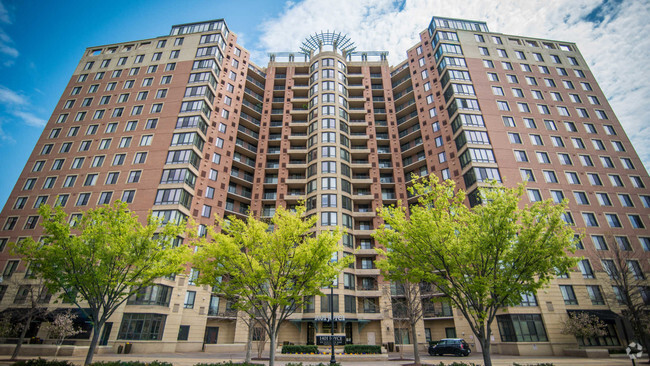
(454, 346)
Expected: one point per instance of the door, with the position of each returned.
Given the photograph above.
(211, 335)
(371, 338)
(311, 334)
(106, 333)
(348, 333)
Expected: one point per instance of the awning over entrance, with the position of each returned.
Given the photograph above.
(601, 314)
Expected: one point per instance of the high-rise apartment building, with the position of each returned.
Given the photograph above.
(185, 125)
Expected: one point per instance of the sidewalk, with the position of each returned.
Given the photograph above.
(190, 359)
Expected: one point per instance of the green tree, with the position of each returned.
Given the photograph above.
(481, 258)
(101, 260)
(267, 271)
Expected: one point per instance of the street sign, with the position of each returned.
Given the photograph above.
(634, 351)
(326, 340)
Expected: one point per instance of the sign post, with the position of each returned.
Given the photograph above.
(333, 358)
(634, 351)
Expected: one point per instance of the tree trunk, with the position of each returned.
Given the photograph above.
(21, 339)
(93, 344)
(272, 350)
(485, 345)
(416, 351)
(249, 343)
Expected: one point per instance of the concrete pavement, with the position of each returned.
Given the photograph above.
(190, 359)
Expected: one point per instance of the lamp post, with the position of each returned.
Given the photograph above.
(333, 358)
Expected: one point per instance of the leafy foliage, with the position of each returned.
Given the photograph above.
(63, 326)
(584, 325)
(42, 362)
(481, 258)
(267, 271)
(361, 348)
(103, 258)
(299, 348)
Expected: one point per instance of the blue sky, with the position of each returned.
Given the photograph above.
(42, 41)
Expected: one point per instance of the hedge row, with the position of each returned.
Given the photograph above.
(361, 348)
(298, 348)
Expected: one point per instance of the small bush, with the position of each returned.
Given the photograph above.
(455, 363)
(318, 364)
(361, 348)
(131, 363)
(42, 362)
(229, 363)
(299, 348)
(533, 364)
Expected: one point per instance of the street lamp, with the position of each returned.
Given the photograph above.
(333, 358)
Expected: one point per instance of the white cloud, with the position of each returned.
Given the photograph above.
(4, 14)
(611, 35)
(16, 105)
(8, 53)
(9, 96)
(30, 119)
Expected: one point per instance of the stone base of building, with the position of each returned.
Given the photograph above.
(326, 358)
(587, 352)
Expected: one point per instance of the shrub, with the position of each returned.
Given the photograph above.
(318, 364)
(42, 362)
(229, 363)
(298, 348)
(533, 364)
(131, 363)
(361, 348)
(455, 363)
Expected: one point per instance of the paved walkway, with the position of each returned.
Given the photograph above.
(190, 359)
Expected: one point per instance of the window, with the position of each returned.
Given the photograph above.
(613, 221)
(599, 242)
(503, 105)
(140, 158)
(637, 182)
(623, 243)
(550, 125)
(523, 107)
(536, 140)
(521, 156)
(603, 199)
(534, 195)
(492, 76)
(521, 328)
(142, 326)
(636, 222)
(606, 161)
(615, 180)
(508, 121)
(118, 159)
(134, 176)
(82, 199)
(527, 175)
(572, 177)
(568, 295)
(518, 93)
(550, 176)
(590, 219)
(514, 138)
(585, 268)
(542, 157)
(111, 178)
(581, 198)
(577, 143)
(530, 123)
(635, 269)
(595, 295)
(594, 179)
(531, 80)
(557, 141)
